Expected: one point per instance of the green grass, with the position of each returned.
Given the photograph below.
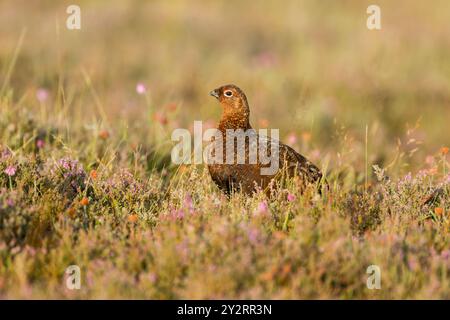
(94, 185)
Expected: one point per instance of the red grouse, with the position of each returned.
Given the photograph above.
(246, 176)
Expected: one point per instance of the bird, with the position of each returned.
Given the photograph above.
(232, 175)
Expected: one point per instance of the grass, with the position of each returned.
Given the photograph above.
(85, 170)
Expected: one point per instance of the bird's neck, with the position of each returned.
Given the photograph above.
(234, 120)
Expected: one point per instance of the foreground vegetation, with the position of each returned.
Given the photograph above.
(86, 177)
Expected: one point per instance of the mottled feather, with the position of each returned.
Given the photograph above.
(247, 177)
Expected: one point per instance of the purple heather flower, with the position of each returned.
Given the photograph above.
(31, 251)
(5, 154)
(140, 88)
(153, 277)
(292, 138)
(42, 94)
(253, 235)
(182, 248)
(40, 143)
(291, 197)
(445, 254)
(188, 203)
(179, 214)
(262, 208)
(176, 214)
(70, 170)
(10, 171)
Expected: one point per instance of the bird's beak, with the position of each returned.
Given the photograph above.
(215, 93)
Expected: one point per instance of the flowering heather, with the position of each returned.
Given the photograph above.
(140, 88)
(4, 154)
(67, 175)
(292, 139)
(262, 208)
(10, 170)
(40, 143)
(291, 197)
(196, 243)
(42, 94)
(188, 204)
(123, 181)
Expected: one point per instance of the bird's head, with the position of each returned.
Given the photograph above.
(232, 99)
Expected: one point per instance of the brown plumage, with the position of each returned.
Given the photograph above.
(247, 177)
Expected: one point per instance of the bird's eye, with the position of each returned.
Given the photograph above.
(228, 93)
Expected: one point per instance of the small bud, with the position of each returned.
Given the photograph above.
(132, 218)
(84, 201)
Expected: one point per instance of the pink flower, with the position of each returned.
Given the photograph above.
(153, 277)
(262, 208)
(188, 203)
(445, 254)
(266, 59)
(10, 171)
(40, 143)
(4, 154)
(292, 138)
(176, 214)
(42, 94)
(179, 214)
(140, 88)
(291, 197)
(253, 235)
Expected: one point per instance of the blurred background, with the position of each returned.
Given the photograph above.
(310, 68)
